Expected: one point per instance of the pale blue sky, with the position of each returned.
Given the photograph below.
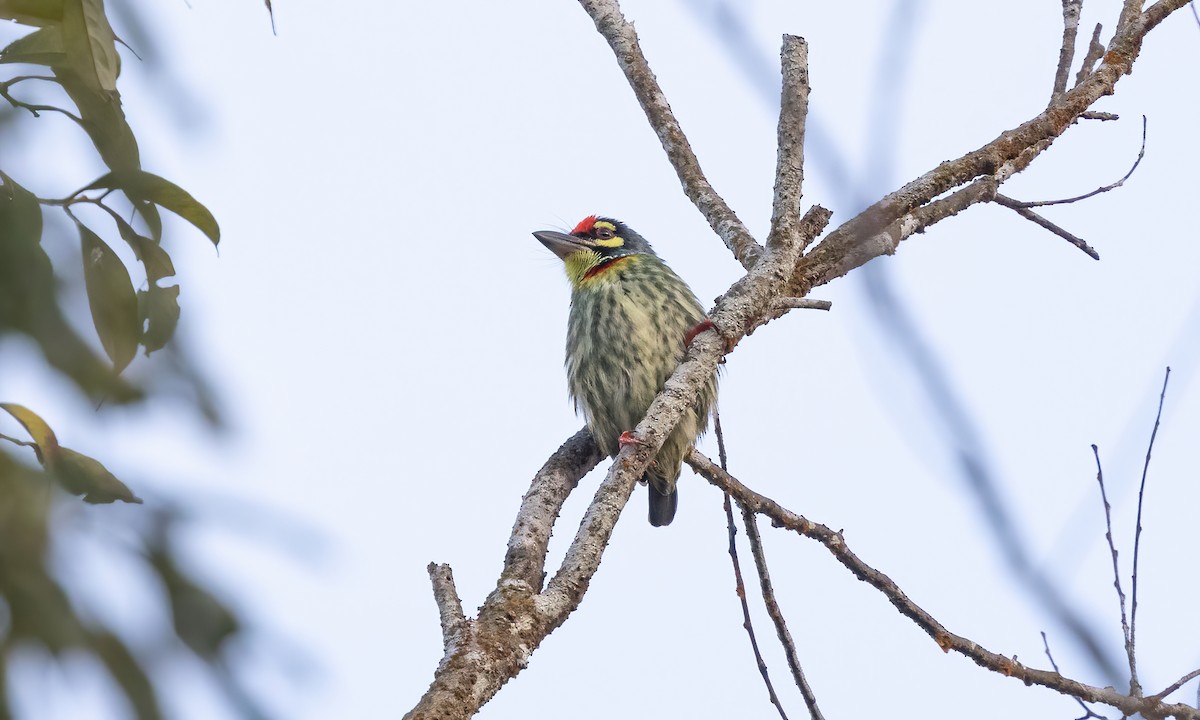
(387, 339)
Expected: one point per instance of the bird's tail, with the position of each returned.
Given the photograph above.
(662, 507)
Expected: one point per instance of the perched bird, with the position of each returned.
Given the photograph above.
(631, 318)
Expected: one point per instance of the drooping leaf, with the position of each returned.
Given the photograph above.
(202, 621)
(91, 44)
(82, 475)
(20, 215)
(151, 216)
(112, 299)
(40, 47)
(28, 303)
(141, 185)
(125, 668)
(154, 258)
(158, 309)
(38, 429)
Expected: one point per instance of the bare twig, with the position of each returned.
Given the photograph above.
(740, 586)
(789, 167)
(792, 303)
(1097, 115)
(1095, 52)
(835, 543)
(24, 443)
(776, 614)
(445, 594)
(1088, 712)
(1137, 535)
(1097, 191)
(1017, 207)
(1112, 548)
(1071, 11)
(623, 40)
(1175, 685)
(37, 110)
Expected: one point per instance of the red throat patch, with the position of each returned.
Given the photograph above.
(605, 266)
(585, 225)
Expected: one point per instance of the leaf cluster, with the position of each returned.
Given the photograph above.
(71, 46)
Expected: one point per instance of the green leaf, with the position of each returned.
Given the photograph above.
(111, 296)
(20, 216)
(40, 47)
(158, 309)
(154, 258)
(91, 44)
(28, 303)
(140, 185)
(38, 429)
(82, 475)
(32, 12)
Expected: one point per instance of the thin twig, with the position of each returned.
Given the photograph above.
(24, 443)
(1112, 548)
(36, 109)
(1137, 536)
(1066, 54)
(1176, 685)
(1017, 207)
(835, 543)
(737, 574)
(1094, 53)
(1097, 191)
(789, 165)
(774, 611)
(792, 303)
(1089, 713)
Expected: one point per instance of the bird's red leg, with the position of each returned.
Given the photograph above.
(703, 325)
(627, 438)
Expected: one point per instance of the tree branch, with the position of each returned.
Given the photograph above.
(1019, 208)
(1071, 11)
(867, 235)
(789, 167)
(835, 543)
(623, 40)
(445, 594)
(776, 614)
(1134, 687)
(1095, 50)
(526, 557)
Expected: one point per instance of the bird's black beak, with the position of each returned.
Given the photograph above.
(561, 244)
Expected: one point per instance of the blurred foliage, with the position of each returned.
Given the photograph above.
(72, 48)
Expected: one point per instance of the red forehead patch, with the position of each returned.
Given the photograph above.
(585, 225)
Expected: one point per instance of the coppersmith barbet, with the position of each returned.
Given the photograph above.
(631, 317)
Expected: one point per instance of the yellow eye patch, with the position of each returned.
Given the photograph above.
(610, 242)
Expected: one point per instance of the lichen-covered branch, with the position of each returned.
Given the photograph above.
(789, 166)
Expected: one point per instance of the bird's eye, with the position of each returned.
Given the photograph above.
(604, 233)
